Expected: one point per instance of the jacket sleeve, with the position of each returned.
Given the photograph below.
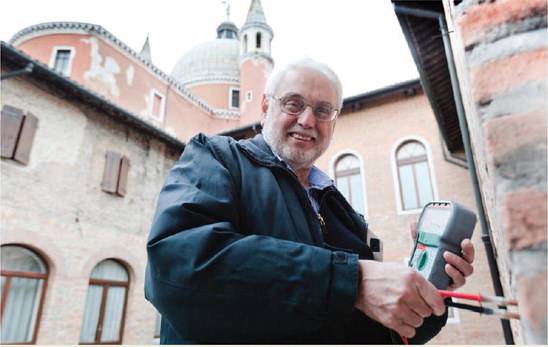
(215, 283)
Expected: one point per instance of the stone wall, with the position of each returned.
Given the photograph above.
(502, 47)
(55, 206)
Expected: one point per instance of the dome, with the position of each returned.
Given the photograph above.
(210, 61)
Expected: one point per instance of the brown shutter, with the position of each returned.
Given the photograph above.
(26, 138)
(12, 118)
(122, 180)
(110, 175)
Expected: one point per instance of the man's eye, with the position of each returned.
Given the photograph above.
(293, 105)
(323, 111)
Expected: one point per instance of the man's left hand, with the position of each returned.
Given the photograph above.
(457, 267)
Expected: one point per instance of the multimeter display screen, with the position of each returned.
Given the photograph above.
(434, 220)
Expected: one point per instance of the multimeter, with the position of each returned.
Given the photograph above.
(442, 226)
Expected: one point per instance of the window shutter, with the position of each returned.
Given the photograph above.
(12, 119)
(26, 138)
(110, 175)
(122, 180)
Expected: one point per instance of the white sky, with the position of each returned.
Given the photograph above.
(360, 39)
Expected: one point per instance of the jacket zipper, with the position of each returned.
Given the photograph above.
(321, 222)
(323, 228)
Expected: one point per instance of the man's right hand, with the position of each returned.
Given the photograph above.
(396, 296)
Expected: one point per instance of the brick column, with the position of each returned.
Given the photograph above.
(505, 58)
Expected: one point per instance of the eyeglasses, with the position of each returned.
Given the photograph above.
(294, 105)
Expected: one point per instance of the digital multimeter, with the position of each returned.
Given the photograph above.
(442, 226)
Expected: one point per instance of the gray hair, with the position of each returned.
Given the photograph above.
(306, 63)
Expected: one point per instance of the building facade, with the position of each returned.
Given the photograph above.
(78, 195)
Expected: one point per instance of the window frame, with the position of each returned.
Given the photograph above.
(53, 57)
(24, 274)
(396, 175)
(161, 116)
(18, 145)
(106, 284)
(231, 90)
(258, 40)
(249, 96)
(115, 174)
(332, 173)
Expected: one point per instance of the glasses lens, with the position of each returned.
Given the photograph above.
(293, 104)
(323, 111)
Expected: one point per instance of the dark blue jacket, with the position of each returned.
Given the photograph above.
(236, 254)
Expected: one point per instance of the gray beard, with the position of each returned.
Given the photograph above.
(296, 159)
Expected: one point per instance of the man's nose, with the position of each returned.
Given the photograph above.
(307, 119)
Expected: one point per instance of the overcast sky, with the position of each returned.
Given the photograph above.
(360, 39)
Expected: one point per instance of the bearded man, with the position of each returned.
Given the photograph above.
(251, 243)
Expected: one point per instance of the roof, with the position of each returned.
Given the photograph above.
(407, 88)
(255, 17)
(212, 61)
(425, 41)
(13, 59)
(95, 29)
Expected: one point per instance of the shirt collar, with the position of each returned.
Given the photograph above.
(317, 179)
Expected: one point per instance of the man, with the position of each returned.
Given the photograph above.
(253, 244)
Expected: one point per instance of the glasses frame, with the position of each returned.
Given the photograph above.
(334, 112)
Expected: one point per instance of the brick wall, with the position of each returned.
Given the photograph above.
(502, 47)
(55, 205)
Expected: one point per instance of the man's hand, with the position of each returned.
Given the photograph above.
(396, 296)
(457, 267)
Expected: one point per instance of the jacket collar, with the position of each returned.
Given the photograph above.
(259, 150)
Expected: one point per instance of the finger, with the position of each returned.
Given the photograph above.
(413, 230)
(431, 296)
(468, 251)
(404, 330)
(411, 318)
(456, 276)
(459, 263)
(421, 308)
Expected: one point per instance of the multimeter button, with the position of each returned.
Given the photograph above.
(423, 260)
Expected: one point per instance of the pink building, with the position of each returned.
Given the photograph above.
(215, 86)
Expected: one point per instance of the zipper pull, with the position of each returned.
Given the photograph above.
(322, 224)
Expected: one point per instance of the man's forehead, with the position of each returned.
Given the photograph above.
(304, 81)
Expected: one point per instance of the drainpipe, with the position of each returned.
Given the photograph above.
(485, 235)
(27, 70)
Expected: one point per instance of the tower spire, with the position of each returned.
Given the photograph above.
(227, 9)
(145, 51)
(255, 14)
(256, 35)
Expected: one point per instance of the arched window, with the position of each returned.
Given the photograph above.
(258, 40)
(245, 43)
(105, 304)
(349, 181)
(413, 175)
(24, 277)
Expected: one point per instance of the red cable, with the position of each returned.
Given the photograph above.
(449, 294)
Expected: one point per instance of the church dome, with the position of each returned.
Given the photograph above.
(216, 60)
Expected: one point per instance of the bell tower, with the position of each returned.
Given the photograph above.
(256, 62)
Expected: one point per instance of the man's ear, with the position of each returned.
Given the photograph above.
(264, 104)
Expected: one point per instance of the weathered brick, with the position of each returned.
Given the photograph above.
(531, 295)
(500, 75)
(506, 133)
(524, 216)
(477, 19)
